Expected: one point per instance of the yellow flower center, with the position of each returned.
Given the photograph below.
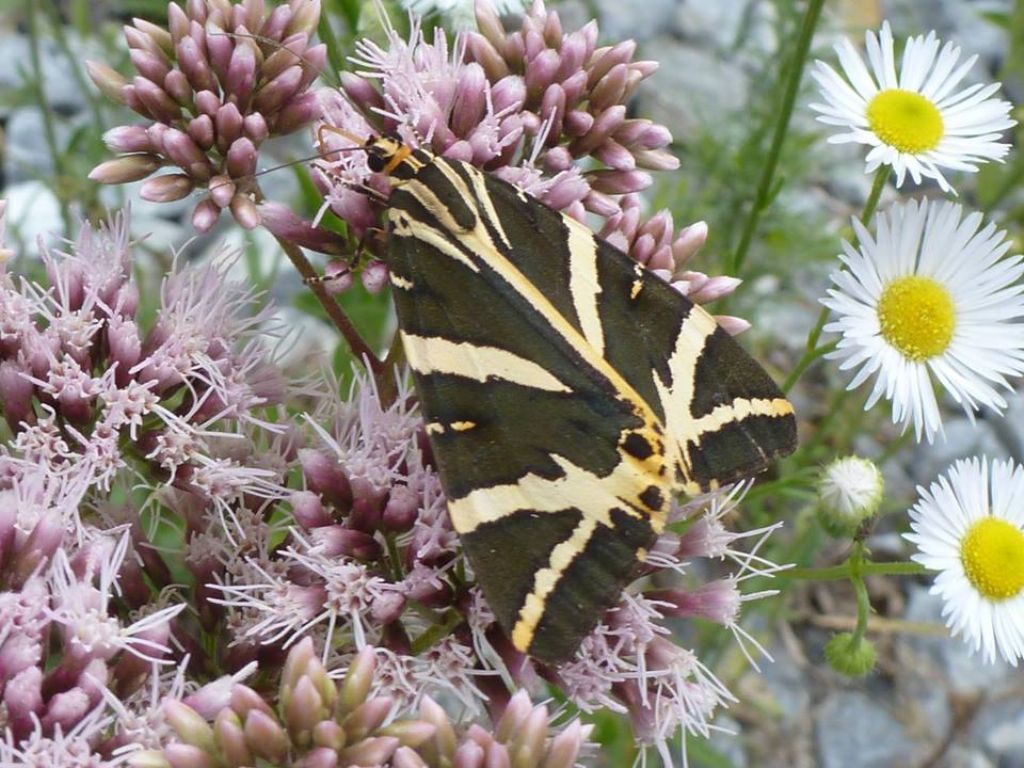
(905, 120)
(917, 316)
(993, 556)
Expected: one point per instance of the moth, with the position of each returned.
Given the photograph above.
(568, 393)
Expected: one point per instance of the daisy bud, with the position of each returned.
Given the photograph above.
(850, 491)
(124, 169)
(849, 656)
(166, 188)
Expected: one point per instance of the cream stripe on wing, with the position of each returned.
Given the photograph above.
(434, 354)
(546, 579)
(576, 486)
(583, 284)
(739, 409)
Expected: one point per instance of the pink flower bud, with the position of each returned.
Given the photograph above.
(375, 750)
(166, 188)
(308, 511)
(469, 102)
(276, 24)
(110, 82)
(603, 61)
(320, 757)
(405, 757)
(221, 189)
(231, 738)
(125, 169)
(509, 94)
(208, 103)
(305, 17)
(265, 736)
(610, 89)
(177, 22)
(282, 222)
(241, 76)
(15, 393)
(272, 96)
(401, 509)
(178, 86)
(324, 475)
(540, 71)
(24, 699)
(157, 101)
(690, 240)
(229, 123)
(128, 138)
(578, 122)
(205, 215)
(299, 112)
(255, 128)
(480, 50)
(732, 325)
(187, 756)
(388, 607)
(220, 48)
(339, 541)
(244, 210)
(149, 65)
(201, 131)
(338, 276)
(375, 276)
(361, 91)
(619, 182)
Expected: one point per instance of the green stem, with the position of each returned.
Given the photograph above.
(437, 632)
(844, 571)
(764, 186)
(871, 204)
(811, 350)
(49, 127)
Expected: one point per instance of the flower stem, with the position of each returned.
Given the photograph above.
(857, 563)
(360, 349)
(764, 186)
(844, 571)
(811, 350)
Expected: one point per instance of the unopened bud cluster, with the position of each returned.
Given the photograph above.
(220, 80)
(317, 722)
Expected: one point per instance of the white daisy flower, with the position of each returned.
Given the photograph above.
(932, 298)
(913, 117)
(969, 526)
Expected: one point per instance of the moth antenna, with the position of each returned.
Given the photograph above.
(271, 44)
